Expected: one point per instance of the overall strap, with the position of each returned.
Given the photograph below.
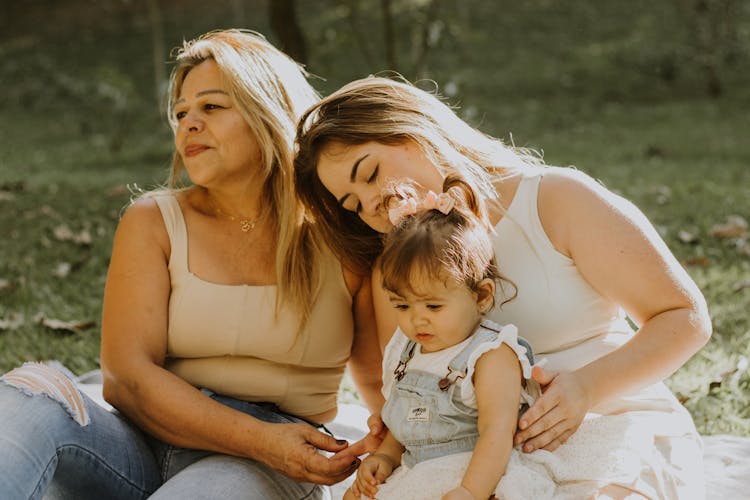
(406, 354)
(458, 367)
(484, 333)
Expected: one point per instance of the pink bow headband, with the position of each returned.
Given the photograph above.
(442, 202)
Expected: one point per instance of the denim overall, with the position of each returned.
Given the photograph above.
(424, 412)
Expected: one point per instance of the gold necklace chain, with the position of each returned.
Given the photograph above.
(246, 224)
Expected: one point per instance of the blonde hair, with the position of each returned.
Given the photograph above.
(453, 247)
(271, 91)
(392, 112)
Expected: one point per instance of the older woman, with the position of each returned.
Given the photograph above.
(581, 259)
(227, 325)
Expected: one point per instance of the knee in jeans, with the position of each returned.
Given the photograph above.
(38, 379)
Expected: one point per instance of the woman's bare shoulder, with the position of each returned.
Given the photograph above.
(143, 219)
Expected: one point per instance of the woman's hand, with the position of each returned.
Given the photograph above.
(556, 415)
(373, 471)
(294, 450)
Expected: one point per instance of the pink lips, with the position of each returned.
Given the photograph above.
(195, 149)
(421, 337)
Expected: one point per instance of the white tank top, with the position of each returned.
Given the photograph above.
(563, 317)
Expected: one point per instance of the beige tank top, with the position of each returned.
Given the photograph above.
(563, 317)
(225, 338)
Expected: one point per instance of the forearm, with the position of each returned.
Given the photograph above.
(172, 410)
(369, 386)
(661, 346)
(391, 448)
(488, 462)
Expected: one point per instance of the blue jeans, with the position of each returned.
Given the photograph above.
(45, 453)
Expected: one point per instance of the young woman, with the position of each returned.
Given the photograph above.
(581, 258)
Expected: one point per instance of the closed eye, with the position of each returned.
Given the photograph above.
(401, 307)
(374, 174)
(434, 307)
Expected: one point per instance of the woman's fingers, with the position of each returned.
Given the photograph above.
(538, 410)
(545, 438)
(294, 449)
(556, 415)
(325, 442)
(538, 427)
(367, 444)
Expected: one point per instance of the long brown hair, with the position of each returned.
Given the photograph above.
(392, 112)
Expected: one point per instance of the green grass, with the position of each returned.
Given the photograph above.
(76, 129)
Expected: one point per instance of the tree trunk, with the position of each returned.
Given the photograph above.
(388, 36)
(283, 17)
(157, 52)
(358, 33)
(425, 42)
(238, 13)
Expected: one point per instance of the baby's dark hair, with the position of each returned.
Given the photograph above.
(428, 244)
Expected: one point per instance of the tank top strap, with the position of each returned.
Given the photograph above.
(175, 225)
(524, 213)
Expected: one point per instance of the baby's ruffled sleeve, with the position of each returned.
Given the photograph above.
(509, 336)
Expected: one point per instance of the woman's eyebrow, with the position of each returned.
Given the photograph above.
(202, 92)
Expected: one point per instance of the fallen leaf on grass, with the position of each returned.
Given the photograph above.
(61, 326)
(5, 284)
(64, 233)
(687, 236)
(663, 195)
(741, 285)
(733, 373)
(700, 261)
(62, 269)
(6, 196)
(48, 211)
(117, 191)
(11, 321)
(734, 227)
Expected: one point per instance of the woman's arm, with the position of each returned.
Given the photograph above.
(385, 314)
(618, 252)
(134, 339)
(497, 384)
(365, 364)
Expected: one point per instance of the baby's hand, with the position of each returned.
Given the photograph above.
(352, 493)
(373, 471)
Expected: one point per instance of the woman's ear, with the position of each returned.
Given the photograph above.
(485, 295)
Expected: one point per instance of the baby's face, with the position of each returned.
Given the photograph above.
(437, 314)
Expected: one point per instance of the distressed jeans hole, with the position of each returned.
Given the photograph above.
(34, 379)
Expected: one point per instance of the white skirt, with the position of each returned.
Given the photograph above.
(626, 450)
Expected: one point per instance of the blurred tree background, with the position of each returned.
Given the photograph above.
(649, 97)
